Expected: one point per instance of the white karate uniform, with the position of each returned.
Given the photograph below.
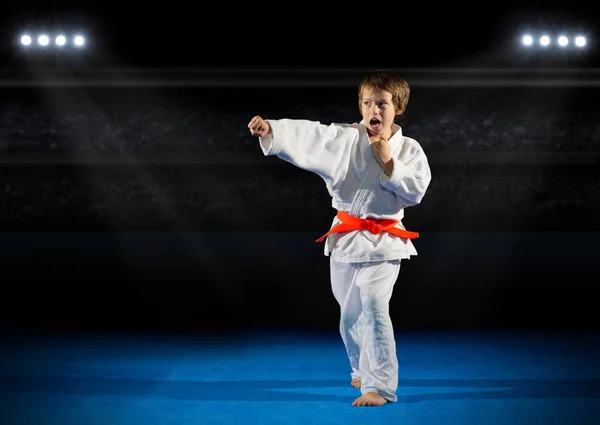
(364, 266)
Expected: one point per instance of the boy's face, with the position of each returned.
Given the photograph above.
(378, 111)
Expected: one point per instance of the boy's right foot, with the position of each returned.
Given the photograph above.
(370, 399)
(355, 382)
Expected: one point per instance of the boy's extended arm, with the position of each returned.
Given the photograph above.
(310, 145)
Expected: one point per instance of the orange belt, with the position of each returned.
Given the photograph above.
(349, 223)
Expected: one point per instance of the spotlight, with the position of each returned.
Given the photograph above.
(43, 40)
(580, 41)
(25, 40)
(79, 40)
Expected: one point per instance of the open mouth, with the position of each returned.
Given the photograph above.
(375, 123)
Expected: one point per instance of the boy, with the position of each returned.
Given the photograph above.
(372, 173)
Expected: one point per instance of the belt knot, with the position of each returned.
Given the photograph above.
(373, 226)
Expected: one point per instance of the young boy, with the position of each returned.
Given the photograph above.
(372, 172)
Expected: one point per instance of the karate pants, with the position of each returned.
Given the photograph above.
(363, 291)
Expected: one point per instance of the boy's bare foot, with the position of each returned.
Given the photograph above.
(355, 382)
(370, 399)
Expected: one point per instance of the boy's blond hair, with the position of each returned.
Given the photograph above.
(387, 81)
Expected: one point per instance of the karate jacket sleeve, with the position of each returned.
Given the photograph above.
(410, 176)
(310, 145)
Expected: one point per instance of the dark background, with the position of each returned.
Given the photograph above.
(137, 199)
(308, 34)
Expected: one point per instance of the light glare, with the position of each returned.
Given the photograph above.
(580, 41)
(43, 40)
(563, 41)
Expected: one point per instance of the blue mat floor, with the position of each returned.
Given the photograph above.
(296, 377)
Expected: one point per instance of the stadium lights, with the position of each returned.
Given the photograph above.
(580, 41)
(79, 40)
(59, 40)
(43, 40)
(545, 41)
(563, 40)
(26, 40)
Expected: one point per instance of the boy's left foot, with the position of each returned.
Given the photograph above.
(370, 399)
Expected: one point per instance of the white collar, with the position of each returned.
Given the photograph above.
(395, 139)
